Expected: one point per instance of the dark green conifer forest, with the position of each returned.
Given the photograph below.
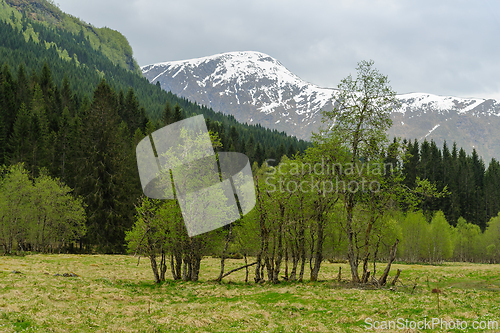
(81, 118)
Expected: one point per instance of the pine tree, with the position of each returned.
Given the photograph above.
(23, 89)
(280, 152)
(259, 154)
(167, 115)
(67, 96)
(291, 151)
(8, 101)
(19, 141)
(178, 113)
(478, 171)
(102, 169)
(234, 136)
(250, 149)
(492, 189)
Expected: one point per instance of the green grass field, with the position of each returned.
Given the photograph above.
(113, 294)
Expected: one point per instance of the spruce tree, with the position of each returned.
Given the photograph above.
(178, 113)
(167, 115)
(259, 154)
(101, 170)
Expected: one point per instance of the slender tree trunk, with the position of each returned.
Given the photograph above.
(318, 254)
(223, 256)
(383, 278)
(186, 272)
(279, 255)
(195, 272)
(178, 266)
(172, 267)
(351, 253)
(302, 255)
(154, 266)
(375, 256)
(295, 261)
(163, 265)
(366, 273)
(246, 268)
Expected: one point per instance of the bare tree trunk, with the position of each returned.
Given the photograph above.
(172, 267)
(318, 254)
(257, 277)
(186, 268)
(154, 266)
(286, 261)
(366, 274)
(396, 277)
(375, 256)
(246, 268)
(264, 234)
(383, 278)
(178, 266)
(239, 268)
(351, 254)
(223, 256)
(279, 256)
(195, 271)
(163, 265)
(295, 261)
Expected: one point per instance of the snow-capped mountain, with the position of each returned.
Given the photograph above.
(256, 88)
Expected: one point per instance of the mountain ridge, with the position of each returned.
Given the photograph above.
(112, 43)
(254, 87)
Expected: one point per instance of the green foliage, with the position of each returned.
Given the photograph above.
(415, 234)
(37, 213)
(439, 240)
(467, 241)
(468, 189)
(110, 42)
(492, 239)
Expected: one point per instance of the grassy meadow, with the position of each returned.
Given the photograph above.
(114, 294)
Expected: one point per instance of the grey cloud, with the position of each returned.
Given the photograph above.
(440, 47)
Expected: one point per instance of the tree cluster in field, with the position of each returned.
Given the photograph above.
(37, 214)
(348, 197)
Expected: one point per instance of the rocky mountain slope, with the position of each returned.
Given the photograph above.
(257, 88)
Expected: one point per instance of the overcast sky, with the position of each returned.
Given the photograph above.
(439, 47)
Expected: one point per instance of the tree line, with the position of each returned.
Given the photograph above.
(89, 145)
(474, 188)
(85, 67)
(348, 197)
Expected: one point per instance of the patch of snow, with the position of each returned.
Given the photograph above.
(432, 130)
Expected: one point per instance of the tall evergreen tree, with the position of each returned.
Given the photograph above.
(103, 166)
(167, 115)
(178, 114)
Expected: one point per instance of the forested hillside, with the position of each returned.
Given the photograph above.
(110, 42)
(66, 108)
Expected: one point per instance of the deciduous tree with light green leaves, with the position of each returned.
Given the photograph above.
(38, 215)
(358, 123)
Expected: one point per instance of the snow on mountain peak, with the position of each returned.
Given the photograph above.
(256, 88)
